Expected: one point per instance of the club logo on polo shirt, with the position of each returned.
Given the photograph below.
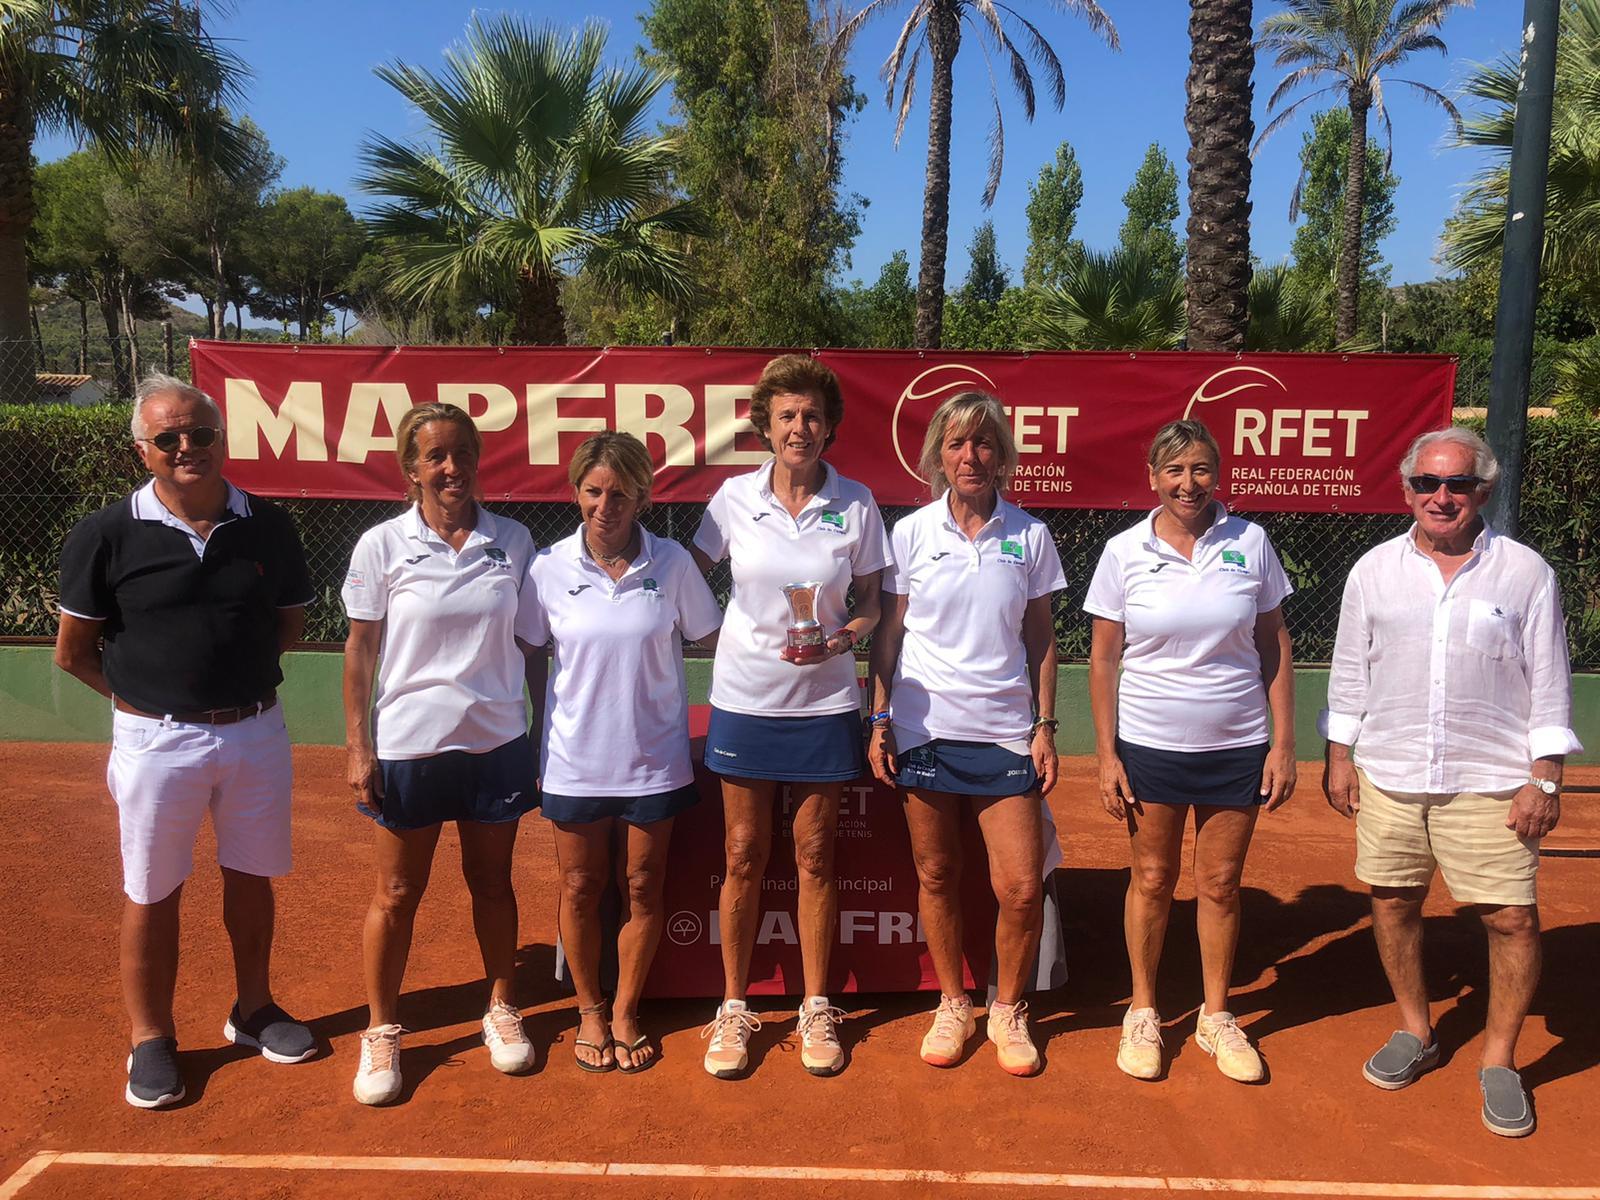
(355, 579)
(832, 520)
(650, 585)
(580, 588)
(497, 556)
(1011, 551)
(1233, 562)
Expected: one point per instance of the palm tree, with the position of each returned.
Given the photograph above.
(1221, 60)
(1284, 316)
(1474, 236)
(1351, 46)
(539, 167)
(128, 75)
(1117, 301)
(936, 25)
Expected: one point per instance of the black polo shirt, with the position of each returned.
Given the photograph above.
(186, 631)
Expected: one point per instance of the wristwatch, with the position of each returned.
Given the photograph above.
(1548, 786)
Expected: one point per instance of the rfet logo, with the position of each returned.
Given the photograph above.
(1273, 428)
(924, 394)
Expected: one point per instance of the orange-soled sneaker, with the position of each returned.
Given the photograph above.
(1014, 1048)
(953, 1024)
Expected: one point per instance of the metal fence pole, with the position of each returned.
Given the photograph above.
(1519, 259)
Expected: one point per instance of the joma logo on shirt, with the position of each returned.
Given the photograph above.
(581, 587)
(938, 556)
(411, 562)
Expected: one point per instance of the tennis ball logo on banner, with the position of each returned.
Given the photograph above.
(1039, 430)
(1251, 437)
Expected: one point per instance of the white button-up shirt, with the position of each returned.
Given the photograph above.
(1445, 688)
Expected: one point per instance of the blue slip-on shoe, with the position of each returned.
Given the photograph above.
(279, 1037)
(1506, 1109)
(1401, 1060)
(153, 1077)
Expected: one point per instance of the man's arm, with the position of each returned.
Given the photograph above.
(78, 651)
(1347, 701)
(291, 625)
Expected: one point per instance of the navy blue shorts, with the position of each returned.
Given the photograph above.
(1209, 778)
(635, 810)
(793, 749)
(965, 768)
(497, 786)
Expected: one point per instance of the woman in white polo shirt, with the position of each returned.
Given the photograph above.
(964, 692)
(1189, 604)
(438, 604)
(616, 604)
(774, 720)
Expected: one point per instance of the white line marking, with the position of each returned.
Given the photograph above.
(1014, 1179)
(23, 1175)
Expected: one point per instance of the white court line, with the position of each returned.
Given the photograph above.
(1015, 1179)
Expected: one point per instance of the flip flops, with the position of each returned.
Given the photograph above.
(599, 1068)
(633, 1048)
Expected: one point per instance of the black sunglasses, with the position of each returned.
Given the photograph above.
(167, 440)
(1458, 485)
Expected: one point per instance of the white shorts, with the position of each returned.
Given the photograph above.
(165, 776)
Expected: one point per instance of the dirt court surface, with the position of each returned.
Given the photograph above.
(1310, 990)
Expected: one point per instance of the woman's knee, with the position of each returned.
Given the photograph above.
(1019, 895)
(813, 857)
(746, 852)
(583, 887)
(1219, 884)
(399, 895)
(645, 885)
(489, 883)
(939, 873)
(1154, 880)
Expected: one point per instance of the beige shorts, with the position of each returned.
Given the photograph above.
(1402, 836)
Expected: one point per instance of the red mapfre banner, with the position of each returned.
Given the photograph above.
(1299, 432)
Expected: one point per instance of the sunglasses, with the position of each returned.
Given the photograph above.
(1458, 485)
(168, 440)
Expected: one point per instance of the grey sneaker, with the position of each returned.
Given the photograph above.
(279, 1037)
(1401, 1060)
(1506, 1110)
(153, 1078)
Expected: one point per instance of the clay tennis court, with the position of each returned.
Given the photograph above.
(1310, 990)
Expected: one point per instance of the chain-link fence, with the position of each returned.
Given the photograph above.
(62, 463)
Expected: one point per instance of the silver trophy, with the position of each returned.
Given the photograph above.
(807, 640)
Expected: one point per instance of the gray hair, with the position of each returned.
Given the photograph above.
(156, 384)
(964, 413)
(1484, 464)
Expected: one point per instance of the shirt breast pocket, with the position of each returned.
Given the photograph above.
(1493, 630)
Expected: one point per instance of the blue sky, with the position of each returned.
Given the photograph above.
(315, 95)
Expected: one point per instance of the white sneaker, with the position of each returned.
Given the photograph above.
(1139, 1052)
(1219, 1035)
(378, 1076)
(728, 1054)
(820, 1052)
(953, 1024)
(509, 1048)
(1013, 1044)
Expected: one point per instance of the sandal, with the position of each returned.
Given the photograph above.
(638, 1044)
(600, 1048)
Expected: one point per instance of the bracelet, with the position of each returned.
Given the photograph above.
(1049, 723)
(878, 718)
(849, 636)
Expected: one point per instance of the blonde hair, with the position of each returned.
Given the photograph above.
(1173, 438)
(405, 437)
(965, 413)
(622, 454)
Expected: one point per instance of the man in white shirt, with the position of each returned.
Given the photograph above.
(1448, 722)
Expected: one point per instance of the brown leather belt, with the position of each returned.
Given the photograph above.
(205, 716)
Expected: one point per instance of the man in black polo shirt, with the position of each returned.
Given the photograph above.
(195, 589)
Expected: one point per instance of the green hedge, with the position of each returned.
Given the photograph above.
(62, 463)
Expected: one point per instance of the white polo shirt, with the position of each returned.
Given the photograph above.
(616, 709)
(839, 534)
(1191, 673)
(963, 670)
(450, 676)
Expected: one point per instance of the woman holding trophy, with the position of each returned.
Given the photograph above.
(785, 702)
(963, 711)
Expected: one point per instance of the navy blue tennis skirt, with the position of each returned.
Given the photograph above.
(966, 769)
(635, 810)
(821, 749)
(1210, 778)
(500, 785)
